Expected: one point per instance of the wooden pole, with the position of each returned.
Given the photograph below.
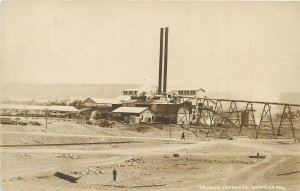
(46, 121)
(170, 121)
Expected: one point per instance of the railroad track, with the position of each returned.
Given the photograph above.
(70, 144)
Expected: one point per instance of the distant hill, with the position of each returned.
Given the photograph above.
(66, 91)
(290, 97)
(61, 91)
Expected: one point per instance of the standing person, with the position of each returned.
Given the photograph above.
(182, 136)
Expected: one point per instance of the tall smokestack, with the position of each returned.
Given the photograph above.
(160, 59)
(166, 60)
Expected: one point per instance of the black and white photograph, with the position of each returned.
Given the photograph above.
(149, 95)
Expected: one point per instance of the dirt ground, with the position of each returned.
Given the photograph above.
(144, 159)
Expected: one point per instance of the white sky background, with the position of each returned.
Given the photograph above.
(248, 48)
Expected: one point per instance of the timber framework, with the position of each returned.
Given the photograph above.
(208, 114)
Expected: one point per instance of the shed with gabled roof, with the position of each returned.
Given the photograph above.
(135, 114)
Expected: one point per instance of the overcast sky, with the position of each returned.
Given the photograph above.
(219, 46)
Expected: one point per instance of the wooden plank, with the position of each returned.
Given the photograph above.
(66, 177)
(287, 173)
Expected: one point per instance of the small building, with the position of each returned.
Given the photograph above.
(166, 112)
(184, 112)
(183, 116)
(130, 92)
(245, 118)
(186, 92)
(104, 106)
(100, 103)
(135, 114)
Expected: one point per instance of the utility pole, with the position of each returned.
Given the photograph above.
(25, 113)
(170, 130)
(46, 120)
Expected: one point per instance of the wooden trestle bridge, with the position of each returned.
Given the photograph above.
(209, 115)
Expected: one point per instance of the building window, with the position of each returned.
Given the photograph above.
(141, 117)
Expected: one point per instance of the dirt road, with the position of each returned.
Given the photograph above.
(148, 164)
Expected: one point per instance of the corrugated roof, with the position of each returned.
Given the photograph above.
(62, 108)
(105, 101)
(130, 110)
